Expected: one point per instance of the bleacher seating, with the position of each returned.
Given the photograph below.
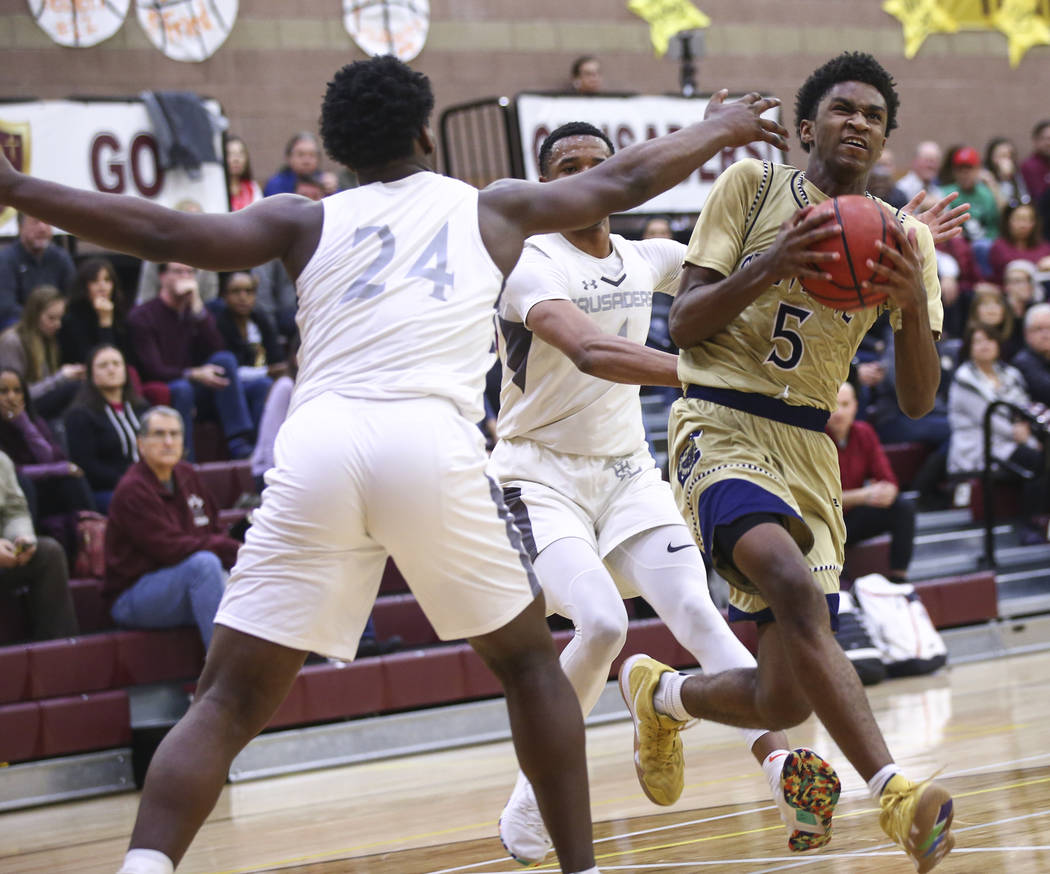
(67, 696)
(906, 459)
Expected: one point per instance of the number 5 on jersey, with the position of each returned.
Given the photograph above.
(436, 251)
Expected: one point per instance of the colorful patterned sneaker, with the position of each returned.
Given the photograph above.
(521, 827)
(809, 791)
(918, 816)
(658, 758)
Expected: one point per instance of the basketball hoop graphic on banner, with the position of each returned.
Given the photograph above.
(187, 30)
(14, 143)
(388, 27)
(79, 23)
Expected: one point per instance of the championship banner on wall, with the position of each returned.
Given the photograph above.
(105, 145)
(631, 119)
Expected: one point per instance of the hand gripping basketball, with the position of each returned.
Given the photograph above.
(849, 282)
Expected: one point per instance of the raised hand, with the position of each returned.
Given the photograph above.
(943, 223)
(743, 121)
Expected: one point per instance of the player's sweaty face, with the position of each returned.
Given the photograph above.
(572, 155)
(850, 127)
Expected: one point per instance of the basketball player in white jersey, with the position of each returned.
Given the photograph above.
(597, 519)
(379, 455)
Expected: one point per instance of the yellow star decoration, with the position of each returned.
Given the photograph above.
(920, 18)
(666, 18)
(1024, 25)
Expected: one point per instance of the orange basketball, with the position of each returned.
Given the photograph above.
(863, 222)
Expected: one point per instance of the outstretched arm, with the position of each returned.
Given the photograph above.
(606, 356)
(268, 229)
(511, 209)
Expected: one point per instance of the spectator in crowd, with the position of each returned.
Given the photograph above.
(103, 422)
(276, 294)
(981, 379)
(166, 553)
(30, 261)
(96, 312)
(36, 564)
(990, 309)
(55, 487)
(31, 349)
(251, 337)
(329, 183)
(149, 275)
(871, 501)
(923, 173)
(176, 341)
(1021, 239)
(657, 228)
(1020, 289)
(302, 157)
(1036, 167)
(243, 189)
(586, 75)
(984, 209)
(958, 283)
(1033, 361)
(274, 413)
(1002, 173)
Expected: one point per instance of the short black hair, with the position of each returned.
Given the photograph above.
(847, 67)
(1040, 126)
(572, 129)
(373, 111)
(577, 65)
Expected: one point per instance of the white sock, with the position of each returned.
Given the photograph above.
(883, 776)
(668, 696)
(146, 862)
(773, 767)
(593, 870)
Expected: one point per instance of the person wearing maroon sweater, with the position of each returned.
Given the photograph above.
(871, 503)
(175, 341)
(166, 554)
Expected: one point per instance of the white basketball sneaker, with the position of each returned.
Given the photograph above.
(521, 827)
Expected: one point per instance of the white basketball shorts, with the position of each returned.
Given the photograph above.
(600, 499)
(355, 481)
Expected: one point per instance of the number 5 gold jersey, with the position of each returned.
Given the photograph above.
(785, 344)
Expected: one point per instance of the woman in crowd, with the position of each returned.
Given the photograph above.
(30, 348)
(1020, 289)
(244, 190)
(989, 309)
(55, 487)
(103, 422)
(1001, 172)
(982, 378)
(251, 337)
(1021, 239)
(95, 313)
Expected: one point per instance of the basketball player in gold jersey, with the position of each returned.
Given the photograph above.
(754, 474)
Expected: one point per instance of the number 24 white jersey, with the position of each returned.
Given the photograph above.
(397, 299)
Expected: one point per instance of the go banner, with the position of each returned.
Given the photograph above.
(105, 145)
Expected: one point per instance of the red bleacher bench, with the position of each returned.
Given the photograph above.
(960, 600)
(226, 481)
(871, 556)
(60, 726)
(906, 459)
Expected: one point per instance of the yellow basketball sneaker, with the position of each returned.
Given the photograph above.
(809, 791)
(658, 757)
(918, 816)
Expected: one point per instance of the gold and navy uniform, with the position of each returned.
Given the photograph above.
(749, 434)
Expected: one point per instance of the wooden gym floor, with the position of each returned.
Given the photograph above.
(986, 724)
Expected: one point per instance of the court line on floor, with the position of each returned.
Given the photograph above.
(333, 855)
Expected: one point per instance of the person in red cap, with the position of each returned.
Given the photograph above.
(984, 210)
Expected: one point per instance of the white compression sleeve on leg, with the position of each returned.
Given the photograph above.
(577, 586)
(675, 585)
